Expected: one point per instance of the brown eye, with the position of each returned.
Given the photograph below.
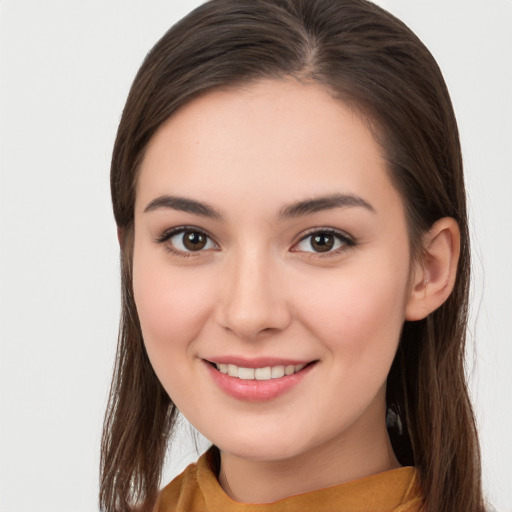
(322, 242)
(189, 240)
(194, 241)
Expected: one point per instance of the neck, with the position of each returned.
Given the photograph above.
(354, 454)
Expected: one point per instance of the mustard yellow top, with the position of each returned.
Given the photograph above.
(197, 490)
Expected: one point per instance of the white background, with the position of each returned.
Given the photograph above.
(66, 67)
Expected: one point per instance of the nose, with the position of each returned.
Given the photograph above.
(253, 302)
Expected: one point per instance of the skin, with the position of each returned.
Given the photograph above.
(260, 289)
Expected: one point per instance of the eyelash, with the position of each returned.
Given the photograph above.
(167, 235)
(345, 240)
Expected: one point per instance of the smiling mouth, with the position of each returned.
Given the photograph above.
(264, 373)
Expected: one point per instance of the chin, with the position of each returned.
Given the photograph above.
(262, 447)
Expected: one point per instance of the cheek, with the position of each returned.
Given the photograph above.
(358, 312)
(171, 303)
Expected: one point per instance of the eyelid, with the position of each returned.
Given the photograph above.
(166, 235)
(346, 240)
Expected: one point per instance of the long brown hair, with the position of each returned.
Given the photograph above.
(372, 61)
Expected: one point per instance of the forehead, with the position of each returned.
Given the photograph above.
(275, 139)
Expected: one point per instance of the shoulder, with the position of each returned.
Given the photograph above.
(187, 491)
(412, 500)
(180, 493)
(198, 490)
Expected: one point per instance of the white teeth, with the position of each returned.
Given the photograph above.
(246, 373)
(277, 372)
(263, 373)
(266, 373)
(289, 370)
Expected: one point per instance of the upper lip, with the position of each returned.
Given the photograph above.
(257, 362)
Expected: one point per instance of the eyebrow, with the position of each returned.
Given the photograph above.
(183, 204)
(296, 209)
(318, 204)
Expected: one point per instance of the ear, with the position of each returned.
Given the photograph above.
(434, 273)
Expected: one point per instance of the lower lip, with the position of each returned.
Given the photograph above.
(257, 390)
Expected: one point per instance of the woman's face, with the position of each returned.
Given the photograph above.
(271, 244)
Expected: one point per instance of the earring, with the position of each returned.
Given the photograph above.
(394, 421)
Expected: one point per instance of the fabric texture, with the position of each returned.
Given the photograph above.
(197, 490)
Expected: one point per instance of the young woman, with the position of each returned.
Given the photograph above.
(288, 189)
